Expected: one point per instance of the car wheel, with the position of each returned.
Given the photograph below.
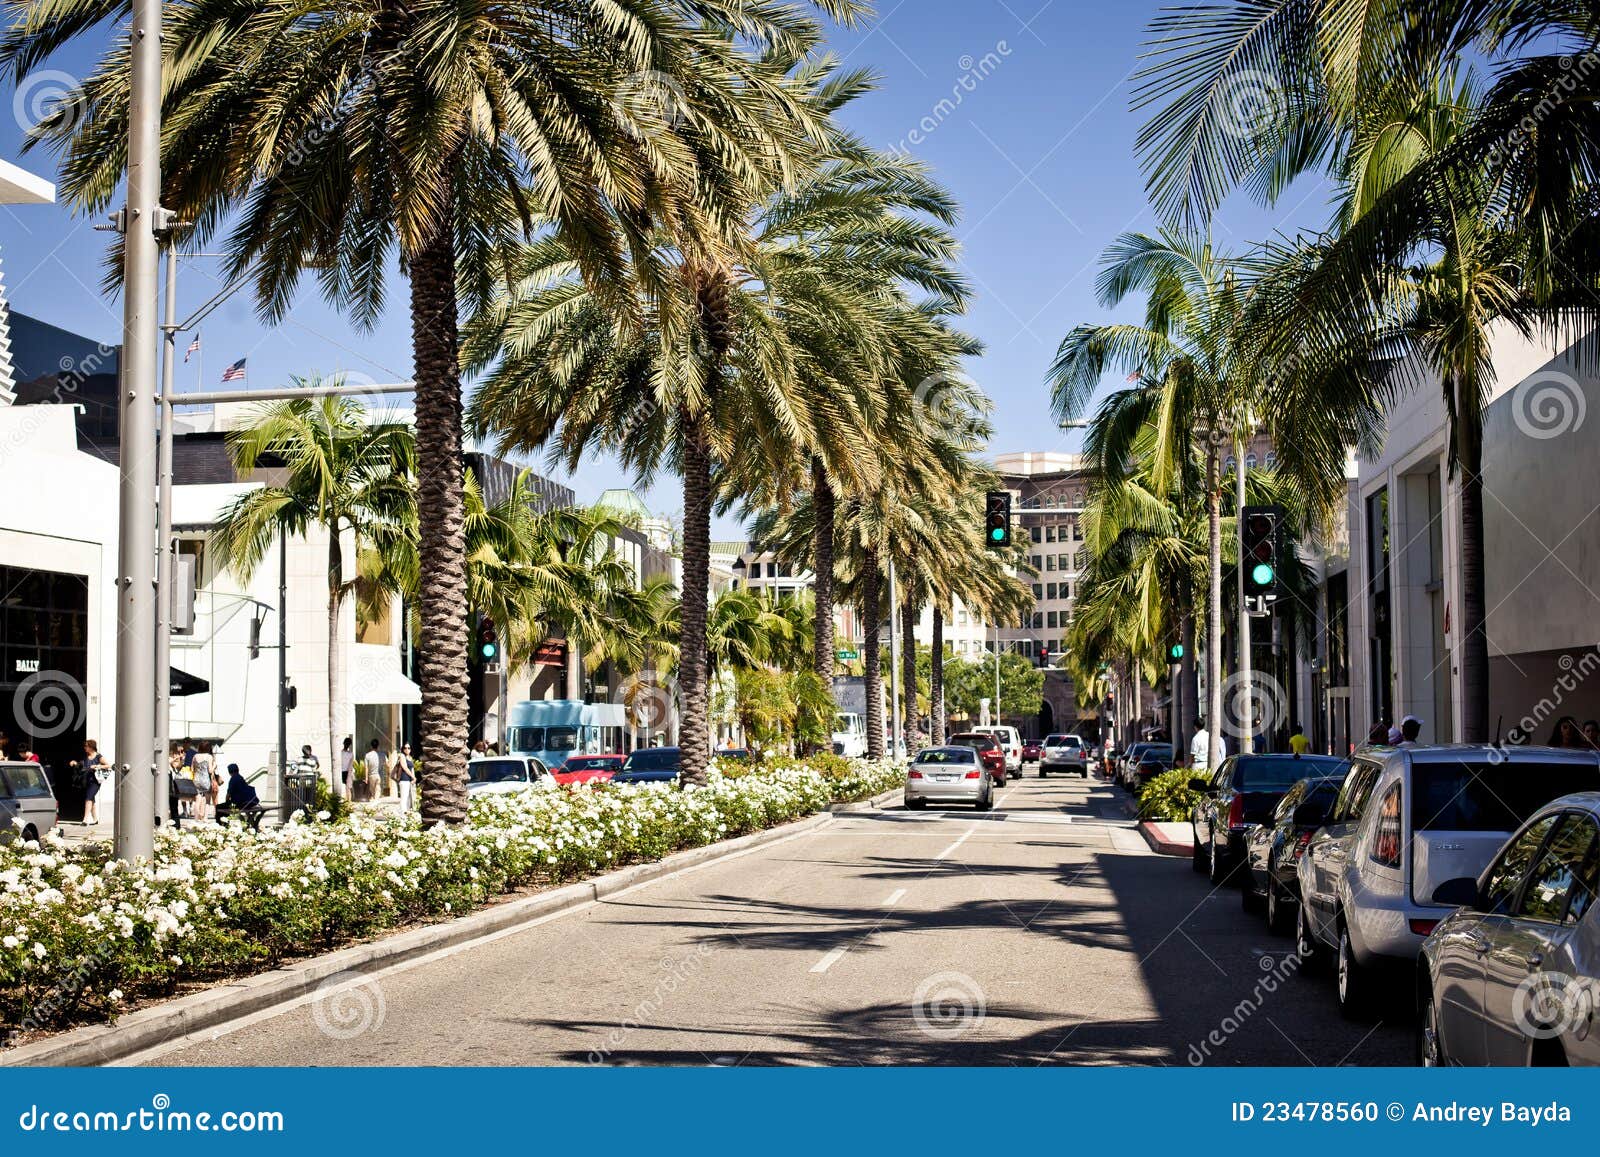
(1277, 914)
(1306, 947)
(1196, 860)
(1249, 899)
(30, 833)
(1430, 1048)
(1354, 981)
(986, 803)
(1221, 870)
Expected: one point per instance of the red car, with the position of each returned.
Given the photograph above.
(589, 768)
(1032, 751)
(988, 749)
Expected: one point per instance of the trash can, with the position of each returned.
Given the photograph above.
(299, 794)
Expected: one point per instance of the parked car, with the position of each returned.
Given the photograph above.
(1010, 743)
(989, 751)
(1240, 796)
(1127, 761)
(27, 803)
(1064, 753)
(650, 765)
(952, 774)
(1273, 848)
(589, 768)
(1032, 751)
(1153, 760)
(499, 774)
(1513, 977)
(1409, 821)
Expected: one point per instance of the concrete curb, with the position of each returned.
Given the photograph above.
(156, 1025)
(1163, 843)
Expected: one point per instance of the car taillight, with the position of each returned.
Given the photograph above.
(1301, 842)
(974, 775)
(915, 774)
(1423, 927)
(1236, 812)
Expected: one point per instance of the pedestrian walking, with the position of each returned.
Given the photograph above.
(347, 760)
(1410, 728)
(309, 763)
(1298, 743)
(1566, 733)
(403, 769)
(373, 764)
(1591, 733)
(1200, 747)
(94, 768)
(204, 769)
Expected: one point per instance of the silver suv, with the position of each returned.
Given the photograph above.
(1406, 823)
(27, 805)
(1064, 753)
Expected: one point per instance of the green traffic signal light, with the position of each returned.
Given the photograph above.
(1261, 575)
(490, 650)
(998, 534)
(1175, 652)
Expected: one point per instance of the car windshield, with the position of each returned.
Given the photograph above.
(560, 739)
(1480, 797)
(1158, 755)
(1280, 773)
(1062, 741)
(947, 755)
(592, 762)
(497, 771)
(652, 759)
(25, 781)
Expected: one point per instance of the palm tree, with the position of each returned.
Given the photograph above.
(334, 138)
(341, 472)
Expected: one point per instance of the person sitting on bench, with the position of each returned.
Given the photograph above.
(241, 797)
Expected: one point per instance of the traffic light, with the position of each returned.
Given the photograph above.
(997, 519)
(488, 641)
(1175, 653)
(1258, 553)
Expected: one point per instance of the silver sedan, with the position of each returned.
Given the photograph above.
(948, 775)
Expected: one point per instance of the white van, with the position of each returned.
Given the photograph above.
(1010, 742)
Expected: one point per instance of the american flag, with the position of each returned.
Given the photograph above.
(235, 372)
(194, 348)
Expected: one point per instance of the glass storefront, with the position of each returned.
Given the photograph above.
(44, 630)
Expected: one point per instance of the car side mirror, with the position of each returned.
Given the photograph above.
(1461, 892)
(1309, 815)
(1200, 784)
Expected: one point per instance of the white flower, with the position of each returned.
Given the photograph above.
(114, 995)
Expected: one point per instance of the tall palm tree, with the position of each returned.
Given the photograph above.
(341, 472)
(335, 138)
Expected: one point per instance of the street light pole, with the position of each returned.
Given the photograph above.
(164, 559)
(894, 661)
(1247, 738)
(141, 220)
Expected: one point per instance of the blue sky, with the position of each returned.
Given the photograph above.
(1038, 150)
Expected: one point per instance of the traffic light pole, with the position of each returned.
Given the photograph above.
(1243, 695)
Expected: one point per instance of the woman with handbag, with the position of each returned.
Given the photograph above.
(204, 769)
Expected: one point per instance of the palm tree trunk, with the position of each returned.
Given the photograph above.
(694, 736)
(441, 522)
(1474, 638)
(871, 620)
(823, 504)
(908, 673)
(1214, 595)
(936, 678)
(335, 658)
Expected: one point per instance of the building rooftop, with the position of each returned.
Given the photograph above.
(20, 187)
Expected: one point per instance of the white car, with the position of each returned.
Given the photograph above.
(1064, 753)
(1407, 826)
(500, 774)
(948, 775)
(1010, 741)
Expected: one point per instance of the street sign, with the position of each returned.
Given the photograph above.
(847, 656)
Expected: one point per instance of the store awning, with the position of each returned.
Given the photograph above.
(182, 683)
(375, 676)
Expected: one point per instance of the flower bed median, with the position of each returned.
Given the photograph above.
(82, 935)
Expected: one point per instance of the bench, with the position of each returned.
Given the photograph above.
(251, 814)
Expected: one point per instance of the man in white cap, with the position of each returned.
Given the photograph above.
(1410, 728)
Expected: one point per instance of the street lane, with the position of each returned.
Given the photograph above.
(1043, 932)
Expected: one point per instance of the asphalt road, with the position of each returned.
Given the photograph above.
(1044, 932)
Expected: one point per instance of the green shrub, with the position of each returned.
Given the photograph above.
(1169, 797)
